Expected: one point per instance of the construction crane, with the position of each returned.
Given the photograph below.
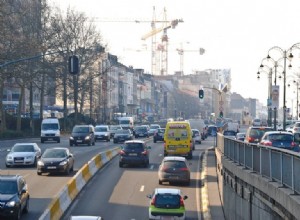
(181, 52)
(159, 61)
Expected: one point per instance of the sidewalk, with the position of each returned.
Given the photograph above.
(211, 203)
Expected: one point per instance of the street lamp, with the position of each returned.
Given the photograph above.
(283, 55)
(297, 95)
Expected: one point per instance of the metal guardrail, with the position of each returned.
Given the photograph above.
(282, 166)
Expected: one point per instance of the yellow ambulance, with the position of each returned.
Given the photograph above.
(178, 139)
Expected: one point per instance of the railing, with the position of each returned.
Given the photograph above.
(282, 166)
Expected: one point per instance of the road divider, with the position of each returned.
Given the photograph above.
(63, 200)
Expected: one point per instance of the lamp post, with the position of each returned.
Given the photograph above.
(297, 96)
(283, 55)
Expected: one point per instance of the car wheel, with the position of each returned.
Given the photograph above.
(26, 208)
(18, 216)
(160, 182)
(154, 141)
(94, 143)
(67, 172)
(34, 163)
(7, 166)
(90, 143)
(39, 173)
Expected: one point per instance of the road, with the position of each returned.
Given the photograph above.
(43, 188)
(120, 193)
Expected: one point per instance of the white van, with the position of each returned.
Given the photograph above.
(50, 130)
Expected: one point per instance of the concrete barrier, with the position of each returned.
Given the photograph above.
(63, 200)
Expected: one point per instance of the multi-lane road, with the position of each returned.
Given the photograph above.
(113, 193)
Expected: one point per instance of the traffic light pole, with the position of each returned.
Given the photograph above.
(221, 114)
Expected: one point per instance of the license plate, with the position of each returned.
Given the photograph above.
(132, 154)
(173, 177)
(79, 141)
(19, 161)
(51, 168)
(141, 135)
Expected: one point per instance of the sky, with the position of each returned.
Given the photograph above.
(236, 34)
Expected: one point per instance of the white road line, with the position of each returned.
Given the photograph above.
(198, 186)
(142, 188)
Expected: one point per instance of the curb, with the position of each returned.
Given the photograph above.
(64, 198)
(204, 189)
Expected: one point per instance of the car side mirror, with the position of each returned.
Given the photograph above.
(185, 197)
(149, 196)
(8, 150)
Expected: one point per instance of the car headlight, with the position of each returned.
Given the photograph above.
(57, 133)
(63, 163)
(87, 138)
(11, 204)
(71, 138)
(40, 163)
(9, 158)
(105, 134)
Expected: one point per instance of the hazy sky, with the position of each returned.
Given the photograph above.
(235, 34)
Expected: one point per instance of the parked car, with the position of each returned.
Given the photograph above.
(196, 136)
(167, 202)
(254, 134)
(123, 135)
(14, 196)
(280, 139)
(153, 128)
(82, 134)
(240, 136)
(102, 132)
(113, 128)
(56, 160)
(140, 131)
(174, 169)
(23, 154)
(134, 152)
(159, 135)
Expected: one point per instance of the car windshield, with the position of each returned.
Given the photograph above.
(114, 128)
(47, 126)
(141, 129)
(167, 201)
(177, 133)
(154, 126)
(134, 146)
(122, 132)
(8, 187)
(80, 129)
(174, 164)
(229, 133)
(23, 148)
(99, 129)
(281, 137)
(258, 133)
(54, 154)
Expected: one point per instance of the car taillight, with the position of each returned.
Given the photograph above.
(153, 201)
(165, 145)
(267, 143)
(184, 169)
(181, 202)
(145, 152)
(250, 139)
(293, 144)
(121, 152)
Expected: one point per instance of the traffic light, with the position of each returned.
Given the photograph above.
(201, 94)
(74, 65)
(221, 114)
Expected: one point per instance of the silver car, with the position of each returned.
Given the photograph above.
(22, 154)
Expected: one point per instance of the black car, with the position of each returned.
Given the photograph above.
(134, 152)
(56, 160)
(14, 196)
(254, 134)
(123, 135)
(159, 135)
(141, 131)
(82, 134)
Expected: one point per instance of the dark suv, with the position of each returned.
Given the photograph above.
(14, 196)
(134, 152)
(82, 134)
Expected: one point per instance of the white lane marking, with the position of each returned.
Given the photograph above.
(198, 187)
(142, 188)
